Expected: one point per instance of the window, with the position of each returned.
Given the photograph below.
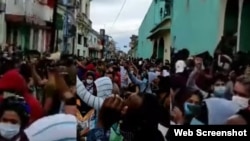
(8, 36)
(79, 40)
(84, 53)
(15, 34)
(85, 42)
(15, 2)
(78, 52)
(35, 39)
(95, 41)
(87, 9)
(80, 6)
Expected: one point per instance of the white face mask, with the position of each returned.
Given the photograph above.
(241, 101)
(89, 81)
(8, 131)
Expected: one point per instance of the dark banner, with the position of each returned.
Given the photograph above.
(203, 132)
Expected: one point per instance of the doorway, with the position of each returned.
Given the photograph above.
(161, 49)
(245, 28)
(154, 55)
(231, 17)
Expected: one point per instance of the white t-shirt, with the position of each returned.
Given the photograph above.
(163, 130)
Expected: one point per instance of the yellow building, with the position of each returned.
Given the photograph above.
(161, 38)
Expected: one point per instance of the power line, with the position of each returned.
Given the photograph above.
(118, 15)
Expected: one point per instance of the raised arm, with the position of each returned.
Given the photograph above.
(87, 97)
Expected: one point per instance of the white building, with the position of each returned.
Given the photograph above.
(84, 25)
(94, 44)
(2, 22)
(28, 23)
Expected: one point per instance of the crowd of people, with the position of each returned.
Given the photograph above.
(52, 97)
(80, 98)
(211, 90)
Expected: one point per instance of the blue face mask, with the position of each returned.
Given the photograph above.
(196, 122)
(219, 91)
(190, 109)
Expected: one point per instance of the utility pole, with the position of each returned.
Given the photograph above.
(54, 28)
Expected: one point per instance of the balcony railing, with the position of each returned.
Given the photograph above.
(83, 19)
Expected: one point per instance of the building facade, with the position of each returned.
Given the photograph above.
(109, 47)
(199, 24)
(65, 29)
(84, 26)
(154, 33)
(26, 26)
(94, 44)
(133, 46)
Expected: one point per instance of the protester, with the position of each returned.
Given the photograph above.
(208, 90)
(14, 117)
(119, 100)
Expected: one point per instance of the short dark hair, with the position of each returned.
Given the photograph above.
(220, 76)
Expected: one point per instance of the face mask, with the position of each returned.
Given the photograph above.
(8, 131)
(196, 122)
(219, 91)
(89, 81)
(241, 101)
(190, 109)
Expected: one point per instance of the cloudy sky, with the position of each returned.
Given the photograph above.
(104, 13)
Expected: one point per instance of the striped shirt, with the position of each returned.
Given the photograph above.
(47, 128)
(104, 89)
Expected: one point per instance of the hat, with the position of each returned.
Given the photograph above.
(13, 80)
(180, 66)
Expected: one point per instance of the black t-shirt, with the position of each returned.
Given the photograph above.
(245, 113)
(203, 115)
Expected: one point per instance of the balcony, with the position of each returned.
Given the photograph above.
(83, 23)
(83, 19)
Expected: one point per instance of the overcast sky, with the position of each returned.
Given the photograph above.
(104, 12)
